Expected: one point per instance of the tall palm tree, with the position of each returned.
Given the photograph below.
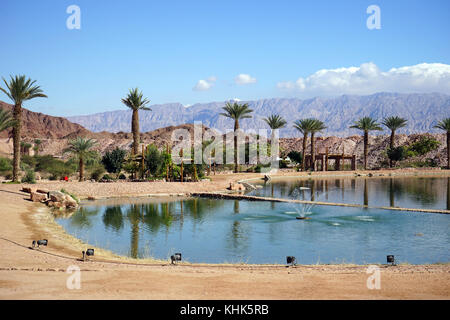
(236, 112)
(275, 122)
(317, 126)
(20, 89)
(81, 148)
(393, 123)
(304, 126)
(135, 101)
(366, 124)
(445, 125)
(6, 120)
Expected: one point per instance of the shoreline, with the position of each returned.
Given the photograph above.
(35, 221)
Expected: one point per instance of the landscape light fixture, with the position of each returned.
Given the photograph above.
(42, 242)
(290, 260)
(88, 252)
(175, 258)
(390, 259)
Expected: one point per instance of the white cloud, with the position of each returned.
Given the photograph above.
(204, 85)
(368, 79)
(244, 79)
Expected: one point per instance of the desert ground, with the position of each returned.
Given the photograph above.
(41, 274)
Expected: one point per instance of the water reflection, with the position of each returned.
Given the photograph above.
(408, 192)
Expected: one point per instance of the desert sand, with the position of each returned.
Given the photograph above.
(41, 274)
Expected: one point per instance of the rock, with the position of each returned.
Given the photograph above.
(236, 187)
(28, 189)
(42, 191)
(50, 203)
(38, 197)
(69, 202)
(92, 198)
(56, 196)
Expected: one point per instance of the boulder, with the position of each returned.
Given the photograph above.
(28, 189)
(42, 191)
(236, 187)
(56, 196)
(38, 197)
(91, 198)
(69, 202)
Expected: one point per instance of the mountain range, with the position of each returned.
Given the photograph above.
(421, 110)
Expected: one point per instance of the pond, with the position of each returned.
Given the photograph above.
(403, 192)
(231, 231)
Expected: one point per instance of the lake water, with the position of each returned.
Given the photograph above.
(218, 231)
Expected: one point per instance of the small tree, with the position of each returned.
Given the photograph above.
(114, 160)
(154, 160)
(81, 149)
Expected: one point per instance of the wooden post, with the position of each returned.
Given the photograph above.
(326, 159)
(353, 162)
(343, 158)
(181, 169)
(167, 165)
(142, 163)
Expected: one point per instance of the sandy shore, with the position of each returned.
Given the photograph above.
(32, 274)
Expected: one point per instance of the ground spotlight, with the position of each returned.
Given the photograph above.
(42, 242)
(175, 258)
(290, 260)
(88, 252)
(390, 259)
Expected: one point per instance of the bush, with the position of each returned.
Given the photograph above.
(154, 160)
(5, 165)
(295, 156)
(97, 173)
(114, 160)
(107, 177)
(398, 153)
(29, 177)
(423, 146)
(122, 176)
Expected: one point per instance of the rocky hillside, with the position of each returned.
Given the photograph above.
(421, 110)
(39, 125)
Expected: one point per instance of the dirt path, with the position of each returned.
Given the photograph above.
(30, 274)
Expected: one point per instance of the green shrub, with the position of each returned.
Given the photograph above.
(5, 165)
(97, 173)
(114, 160)
(295, 156)
(424, 145)
(107, 177)
(122, 176)
(29, 177)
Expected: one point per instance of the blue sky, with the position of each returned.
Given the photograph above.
(166, 48)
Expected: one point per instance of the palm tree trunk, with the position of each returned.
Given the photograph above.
(17, 114)
(366, 144)
(448, 149)
(135, 131)
(236, 128)
(305, 137)
(81, 165)
(313, 156)
(391, 145)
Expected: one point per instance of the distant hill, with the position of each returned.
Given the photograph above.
(39, 125)
(421, 110)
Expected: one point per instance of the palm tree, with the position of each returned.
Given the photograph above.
(304, 126)
(366, 124)
(445, 125)
(275, 122)
(236, 112)
(81, 148)
(317, 126)
(37, 143)
(135, 101)
(6, 120)
(20, 89)
(393, 123)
